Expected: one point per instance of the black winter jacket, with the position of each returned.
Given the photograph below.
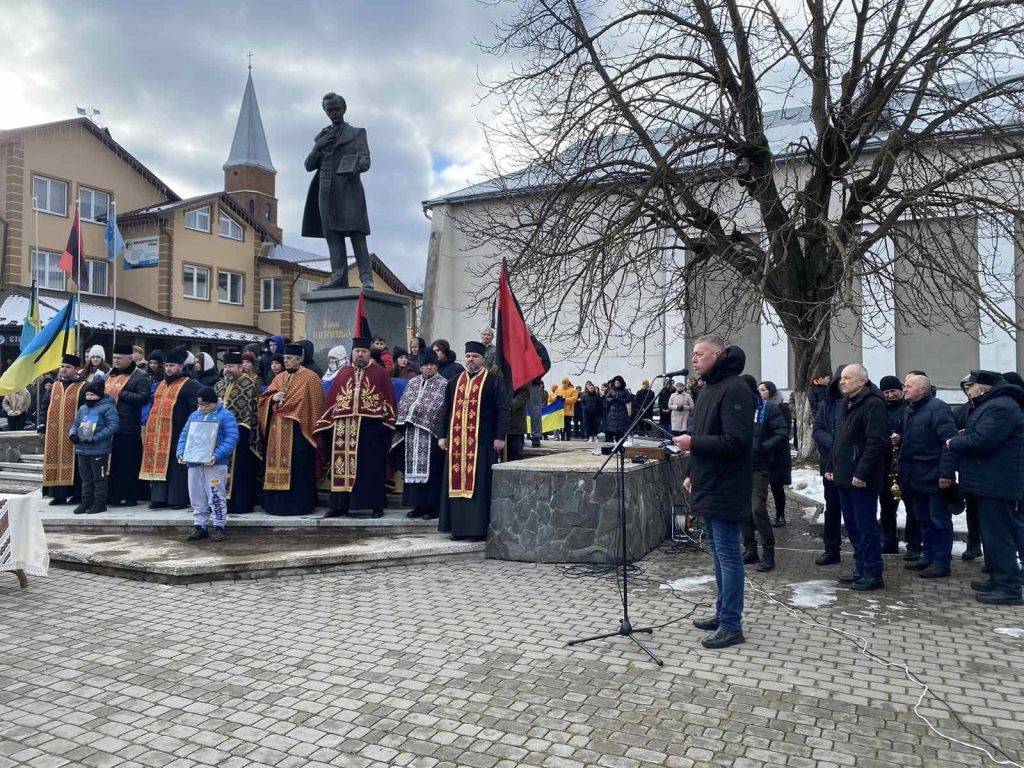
(449, 368)
(517, 410)
(923, 456)
(861, 441)
(616, 412)
(825, 418)
(771, 432)
(782, 460)
(135, 395)
(990, 453)
(722, 425)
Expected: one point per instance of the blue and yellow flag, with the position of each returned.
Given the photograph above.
(552, 416)
(32, 324)
(45, 352)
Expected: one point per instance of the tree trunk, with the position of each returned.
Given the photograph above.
(811, 356)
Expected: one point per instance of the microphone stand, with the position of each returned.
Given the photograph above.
(626, 628)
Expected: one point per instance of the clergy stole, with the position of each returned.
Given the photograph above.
(58, 451)
(156, 449)
(116, 383)
(226, 391)
(278, 472)
(463, 431)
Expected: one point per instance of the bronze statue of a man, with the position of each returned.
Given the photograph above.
(336, 203)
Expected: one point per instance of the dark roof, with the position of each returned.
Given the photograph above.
(103, 134)
(161, 211)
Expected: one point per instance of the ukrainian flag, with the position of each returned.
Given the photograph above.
(552, 416)
(32, 324)
(45, 352)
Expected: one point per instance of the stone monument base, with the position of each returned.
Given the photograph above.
(550, 509)
(331, 315)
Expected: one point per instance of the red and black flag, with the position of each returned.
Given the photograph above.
(515, 353)
(71, 259)
(362, 325)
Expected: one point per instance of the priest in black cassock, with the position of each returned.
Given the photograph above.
(476, 417)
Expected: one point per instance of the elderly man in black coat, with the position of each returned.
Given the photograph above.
(926, 468)
(720, 478)
(990, 459)
(825, 418)
(336, 204)
(130, 387)
(857, 467)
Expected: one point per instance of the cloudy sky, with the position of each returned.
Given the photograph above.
(168, 79)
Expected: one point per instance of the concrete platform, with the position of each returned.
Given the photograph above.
(166, 558)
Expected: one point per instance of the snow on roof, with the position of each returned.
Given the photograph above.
(100, 317)
(788, 131)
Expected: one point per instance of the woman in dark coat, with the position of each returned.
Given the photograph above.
(781, 473)
(616, 410)
(593, 408)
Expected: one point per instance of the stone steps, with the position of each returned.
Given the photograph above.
(20, 477)
(19, 466)
(33, 457)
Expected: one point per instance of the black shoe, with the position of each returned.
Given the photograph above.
(780, 522)
(983, 586)
(767, 562)
(81, 509)
(336, 513)
(973, 552)
(96, 509)
(708, 624)
(412, 514)
(934, 571)
(891, 549)
(130, 503)
(917, 565)
(176, 506)
(57, 502)
(157, 505)
(912, 554)
(849, 578)
(999, 598)
(197, 534)
(750, 556)
(219, 534)
(828, 558)
(535, 443)
(377, 514)
(723, 638)
(864, 584)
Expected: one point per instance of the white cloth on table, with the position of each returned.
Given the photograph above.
(22, 540)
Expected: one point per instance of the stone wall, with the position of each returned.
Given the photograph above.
(13, 444)
(551, 509)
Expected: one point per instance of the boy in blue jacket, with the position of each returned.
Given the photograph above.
(92, 434)
(208, 483)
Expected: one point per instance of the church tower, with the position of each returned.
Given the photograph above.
(248, 173)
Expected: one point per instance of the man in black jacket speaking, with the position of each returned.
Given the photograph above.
(720, 477)
(858, 469)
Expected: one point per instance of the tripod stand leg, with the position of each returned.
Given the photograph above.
(595, 637)
(647, 650)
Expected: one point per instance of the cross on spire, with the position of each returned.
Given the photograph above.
(249, 56)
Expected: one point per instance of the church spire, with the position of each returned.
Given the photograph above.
(249, 147)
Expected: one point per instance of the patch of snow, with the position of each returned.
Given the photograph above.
(959, 547)
(1014, 632)
(808, 482)
(688, 584)
(813, 594)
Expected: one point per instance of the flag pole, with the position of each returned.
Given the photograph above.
(79, 348)
(113, 344)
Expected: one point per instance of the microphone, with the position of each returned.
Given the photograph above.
(680, 372)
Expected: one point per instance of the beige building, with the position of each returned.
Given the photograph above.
(221, 276)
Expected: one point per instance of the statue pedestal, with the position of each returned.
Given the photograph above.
(331, 317)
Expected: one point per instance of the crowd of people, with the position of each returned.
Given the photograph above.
(878, 445)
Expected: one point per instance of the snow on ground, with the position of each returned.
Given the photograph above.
(813, 594)
(688, 584)
(1014, 632)
(808, 482)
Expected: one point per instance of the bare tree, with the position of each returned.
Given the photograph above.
(730, 159)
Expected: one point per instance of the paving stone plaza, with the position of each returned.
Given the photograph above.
(465, 664)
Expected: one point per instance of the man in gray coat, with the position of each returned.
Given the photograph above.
(336, 204)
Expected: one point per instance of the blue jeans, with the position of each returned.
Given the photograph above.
(860, 516)
(936, 525)
(724, 545)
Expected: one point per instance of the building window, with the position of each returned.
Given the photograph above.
(50, 195)
(301, 288)
(230, 228)
(45, 271)
(270, 211)
(270, 294)
(95, 280)
(94, 204)
(230, 287)
(196, 282)
(198, 219)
